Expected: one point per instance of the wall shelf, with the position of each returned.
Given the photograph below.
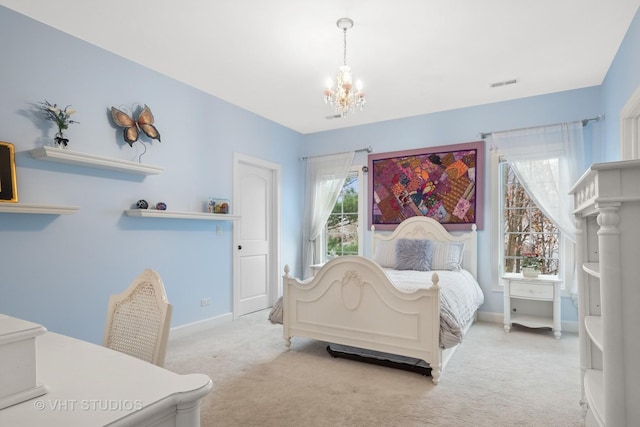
(37, 209)
(153, 213)
(83, 159)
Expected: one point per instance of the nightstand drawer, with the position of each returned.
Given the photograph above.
(531, 290)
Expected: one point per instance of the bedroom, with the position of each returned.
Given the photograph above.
(52, 263)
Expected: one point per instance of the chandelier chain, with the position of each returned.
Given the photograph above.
(345, 47)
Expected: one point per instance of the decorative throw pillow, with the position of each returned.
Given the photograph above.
(447, 256)
(413, 254)
(385, 253)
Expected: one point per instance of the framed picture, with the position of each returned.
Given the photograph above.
(444, 183)
(219, 206)
(8, 188)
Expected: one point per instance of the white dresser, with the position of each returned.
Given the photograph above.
(607, 211)
(90, 385)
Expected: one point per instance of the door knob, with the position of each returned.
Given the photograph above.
(239, 247)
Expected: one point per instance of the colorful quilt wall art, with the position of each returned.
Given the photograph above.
(444, 183)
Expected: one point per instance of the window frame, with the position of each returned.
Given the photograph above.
(530, 209)
(497, 241)
(357, 170)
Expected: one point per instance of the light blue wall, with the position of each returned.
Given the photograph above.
(464, 125)
(621, 81)
(59, 271)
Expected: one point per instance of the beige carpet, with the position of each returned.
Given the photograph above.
(524, 378)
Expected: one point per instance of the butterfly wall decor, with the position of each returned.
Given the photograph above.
(131, 128)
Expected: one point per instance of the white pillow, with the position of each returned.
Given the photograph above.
(447, 256)
(385, 253)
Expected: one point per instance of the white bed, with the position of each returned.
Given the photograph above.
(352, 300)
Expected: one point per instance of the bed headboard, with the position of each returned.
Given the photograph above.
(420, 227)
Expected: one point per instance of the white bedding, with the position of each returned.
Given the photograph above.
(460, 297)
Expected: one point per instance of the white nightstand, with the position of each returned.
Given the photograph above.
(542, 288)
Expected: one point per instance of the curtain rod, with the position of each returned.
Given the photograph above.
(368, 150)
(597, 118)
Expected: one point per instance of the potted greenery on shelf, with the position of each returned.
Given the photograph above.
(531, 264)
(61, 117)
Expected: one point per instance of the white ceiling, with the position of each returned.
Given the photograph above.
(273, 57)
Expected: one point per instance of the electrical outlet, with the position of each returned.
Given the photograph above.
(205, 301)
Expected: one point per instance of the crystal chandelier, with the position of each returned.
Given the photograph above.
(343, 98)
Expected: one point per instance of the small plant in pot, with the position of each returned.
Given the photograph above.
(531, 263)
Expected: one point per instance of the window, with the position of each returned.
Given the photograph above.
(343, 231)
(525, 230)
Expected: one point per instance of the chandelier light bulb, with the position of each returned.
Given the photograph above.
(329, 83)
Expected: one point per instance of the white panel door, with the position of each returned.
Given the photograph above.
(255, 199)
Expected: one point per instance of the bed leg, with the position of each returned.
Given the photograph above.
(435, 375)
(287, 342)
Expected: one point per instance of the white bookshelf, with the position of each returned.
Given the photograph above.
(607, 212)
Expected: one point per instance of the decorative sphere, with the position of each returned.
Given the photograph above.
(161, 206)
(142, 204)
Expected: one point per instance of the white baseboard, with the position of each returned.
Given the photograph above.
(485, 316)
(199, 326)
(206, 324)
(567, 325)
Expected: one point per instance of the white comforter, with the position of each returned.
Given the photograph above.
(460, 297)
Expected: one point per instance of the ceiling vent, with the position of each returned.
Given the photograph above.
(504, 83)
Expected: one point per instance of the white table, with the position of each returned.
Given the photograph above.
(90, 385)
(541, 288)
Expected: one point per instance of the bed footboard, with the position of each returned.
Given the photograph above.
(351, 301)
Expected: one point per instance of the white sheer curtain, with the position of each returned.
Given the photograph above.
(548, 160)
(324, 180)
